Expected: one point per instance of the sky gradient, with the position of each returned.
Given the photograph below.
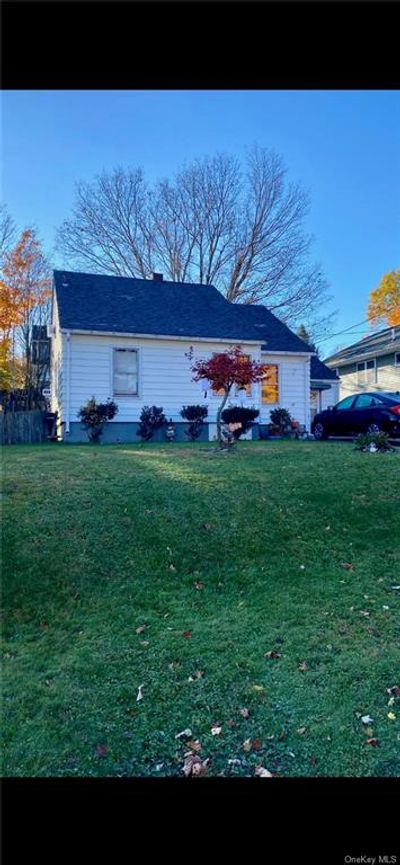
(342, 146)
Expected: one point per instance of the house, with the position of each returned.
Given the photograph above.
(324, 386)
(128, 339)
(372, 363)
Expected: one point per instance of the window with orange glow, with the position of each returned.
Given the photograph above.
(270, 384)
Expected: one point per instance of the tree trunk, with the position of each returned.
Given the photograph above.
(219, 412)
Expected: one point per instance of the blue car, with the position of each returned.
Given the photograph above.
(360, 413)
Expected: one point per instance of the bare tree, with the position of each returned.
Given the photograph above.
(241, 229)
(7, 232)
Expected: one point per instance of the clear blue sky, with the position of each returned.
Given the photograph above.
(343, 146)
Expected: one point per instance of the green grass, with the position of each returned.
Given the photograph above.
(90, 534)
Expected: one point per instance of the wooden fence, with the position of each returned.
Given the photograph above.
(22, 427)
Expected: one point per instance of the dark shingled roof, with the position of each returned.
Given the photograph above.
(375, 344)
(88, 301)
(320, 372)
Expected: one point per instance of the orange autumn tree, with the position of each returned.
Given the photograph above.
(24, 302)
(384, 301)
(225, 369)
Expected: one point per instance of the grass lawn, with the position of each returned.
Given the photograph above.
(216, 561)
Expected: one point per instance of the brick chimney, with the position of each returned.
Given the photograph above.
(157, 277)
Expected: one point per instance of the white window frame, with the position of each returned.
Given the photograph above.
(362, 373)
(397, 355)
(135, 348)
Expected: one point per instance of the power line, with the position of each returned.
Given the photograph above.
(346, 330)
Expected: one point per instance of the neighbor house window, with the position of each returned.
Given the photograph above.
(366, 372)
(397, 358)
(270, 384)
(125, 371)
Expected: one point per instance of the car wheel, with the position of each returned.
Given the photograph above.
(320, 432)
(373, 429)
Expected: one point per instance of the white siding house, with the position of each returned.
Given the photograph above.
(102, 351)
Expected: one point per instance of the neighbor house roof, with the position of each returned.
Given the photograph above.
(374, 345)
(93, 302)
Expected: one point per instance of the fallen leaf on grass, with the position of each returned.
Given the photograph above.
(139, 693)
(366, 719)
(244, 713)
(141, 629)
(144, 643)
(194, 766)
(172, 568)
(303, 666)
(216, 730)
(256, 744)
(101, 750)
(301, 731)
(364, 613)
(194, 745)
(372, 741)
(258, 688)
(369, 732)
(247, 745)
(234, 762)
(390, 700)
(272, 654)
(187, 634)
(394, 691)
(391, 716)
(198, 585)
(347, 566)
(184, 733)
(198, 675)
(260, 772)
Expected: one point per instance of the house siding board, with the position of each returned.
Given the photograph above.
(331, 396)
(164, 375)
(294, 387)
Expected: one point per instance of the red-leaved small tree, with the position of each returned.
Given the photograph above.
(224, 370)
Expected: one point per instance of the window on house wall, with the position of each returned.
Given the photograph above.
(125, 371)
(366, 372)
(397, 358)
(238, 391)
(270, 384)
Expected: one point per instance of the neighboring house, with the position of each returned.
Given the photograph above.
(41, 356)
(324, 386)
(373, 363)
(128, 339)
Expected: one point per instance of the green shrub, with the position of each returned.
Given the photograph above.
(94, 415)
(364, 441)
(151, 419)
(195, 414)
(281, 418)
(238, 414)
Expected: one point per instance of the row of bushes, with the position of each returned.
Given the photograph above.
(94, 415)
